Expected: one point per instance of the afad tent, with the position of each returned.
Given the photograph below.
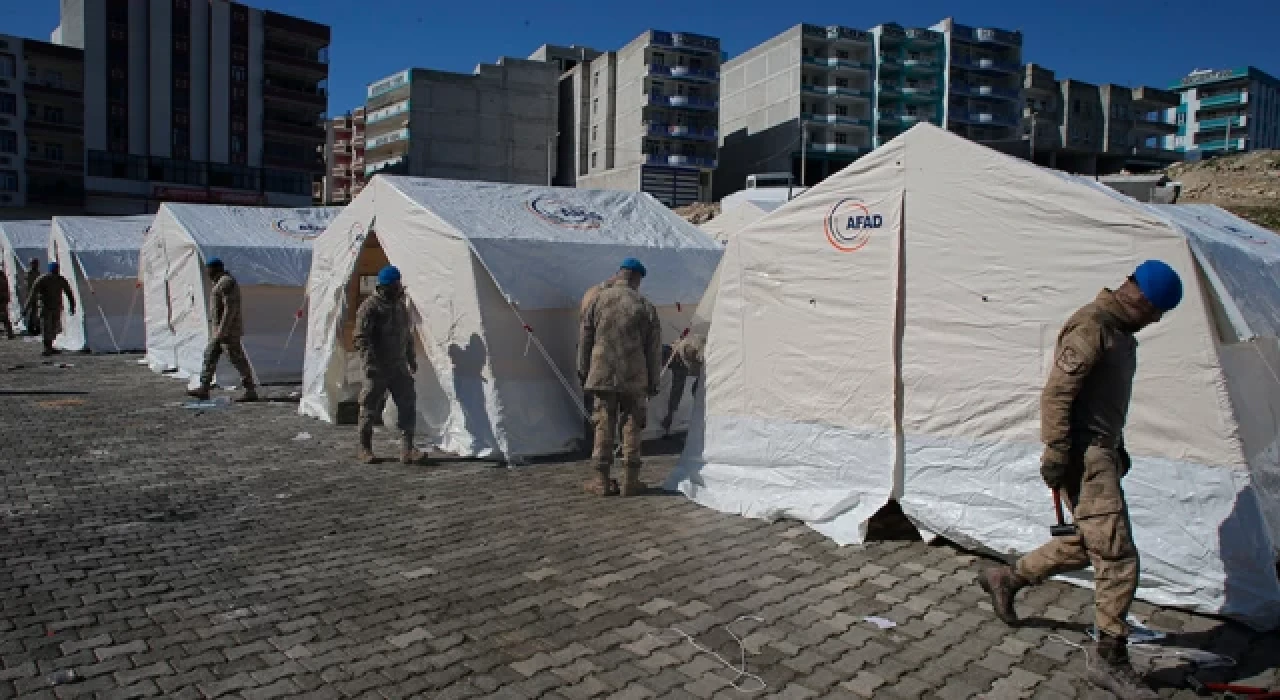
(99, 257)
(734, 220)
(887, 336)
(20, 241)
(494, 273)
(269, 253)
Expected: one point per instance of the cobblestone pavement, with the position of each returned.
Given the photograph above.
(161, 551)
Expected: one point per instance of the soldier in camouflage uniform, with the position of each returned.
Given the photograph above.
(686, 359)
(226, 320)
(1082, 415)
(384, 339)
(45, 301)
(619, 355)
(588, 427)
(4, 302)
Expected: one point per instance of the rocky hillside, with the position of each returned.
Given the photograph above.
(699, 213)
(1247, 184)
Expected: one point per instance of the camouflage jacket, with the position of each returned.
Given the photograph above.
(48, 291)
(384, 333)
(620, 342)
(225, 313)
(1088, 390)
(689, 352)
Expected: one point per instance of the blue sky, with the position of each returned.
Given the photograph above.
(1151, 42)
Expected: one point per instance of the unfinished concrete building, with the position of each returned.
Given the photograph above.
(984, 81)
(648, 115)
(497, 124)
(573, 129)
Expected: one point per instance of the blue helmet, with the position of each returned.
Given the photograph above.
(213, 262)
(634, 265)
(1159, 284)
(388, 275)
(53, 267)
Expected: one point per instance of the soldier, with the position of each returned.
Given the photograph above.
(46, 294)
(384, 339)
(32, 321)
(226, 329)
(686, 359)
(619, 350)
(4, 301)
(1082, 416)
(589, 296)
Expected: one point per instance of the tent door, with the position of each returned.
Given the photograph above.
(363, 280)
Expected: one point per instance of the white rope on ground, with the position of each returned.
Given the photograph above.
(1156, 652)
(740, 671)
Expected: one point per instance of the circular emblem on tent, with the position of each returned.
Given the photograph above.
(299, 227)
(849, 225)
(557, 211)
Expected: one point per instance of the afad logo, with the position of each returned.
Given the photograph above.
(299, 228)
(849, 225)
(556, 211)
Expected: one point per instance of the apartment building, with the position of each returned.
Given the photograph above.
(984, 78)
(496, 124)
(1225, 111)
(343, 160)
(911, 79)
(650, 117)
(41, 125)
(1093, 129)
(572, 107)
(199, 101)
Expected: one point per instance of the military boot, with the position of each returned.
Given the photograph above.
(250, 394)
(201, 392)
(631, 483)
(366, 446)
(408, 453)
(1002, 584)
(601, 484)
(1110, 670)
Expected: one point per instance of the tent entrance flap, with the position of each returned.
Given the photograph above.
(364, 279)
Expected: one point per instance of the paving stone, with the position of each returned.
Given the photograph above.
(864, 684)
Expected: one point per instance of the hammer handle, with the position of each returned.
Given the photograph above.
(1057, 507)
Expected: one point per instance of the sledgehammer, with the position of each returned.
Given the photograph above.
(1063, 528)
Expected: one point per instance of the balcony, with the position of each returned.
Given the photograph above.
(987, 64)
(308, 62)
(923, 37)
(845, 149)
(682, 102)
(835, 119)
(1230, 99)
(1223, 145)
(50, 87)
(920, 93)
(836, 63)
(920, 65)
(389, 112)
(389, 138)
(989, 91)
(838, 33)
(834, 91)
(884, 118)
(888, 91)
(312, 97)
(985, 118)
(284, 127)
(997, 36)
(1222, 122)
(890, 60)
(55, 166)
(682, 131)
(70, 128)
(679, 161)
(689, 42)
(1158, 125)
(684, 73)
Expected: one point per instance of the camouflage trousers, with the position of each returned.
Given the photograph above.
(373, 397)
(610, 406)
(50, 327)
(1105, 540)
(235, 353)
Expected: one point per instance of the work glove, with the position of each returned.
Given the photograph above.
(1053, 467)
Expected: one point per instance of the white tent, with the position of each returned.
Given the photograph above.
(268, 251)
(99, 257)
(494, 274)
(731, 221)
(20, 241)
(887, 336)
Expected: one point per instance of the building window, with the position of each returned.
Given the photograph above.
(8, 103)
(8, 66)
(842, 82)
(595, 106)
(842, 110)
(844, 55)
(842, 137)
(53, 151)
(239, 74)
(8, 181)
(595, 160)
(1075, 106)
(237, 144)
(8, 141)
(32, 73)
(659, 59)
(595, 133)
(53, 115)
(595, 78)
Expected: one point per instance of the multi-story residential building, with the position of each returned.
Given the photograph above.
(911, 79)
(343, 160)
(984, 79)
(1085, 128)
(497, 124)
(573, 105)
(41, 126)
(198, 100)
(652, 117)
(1226, 111)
